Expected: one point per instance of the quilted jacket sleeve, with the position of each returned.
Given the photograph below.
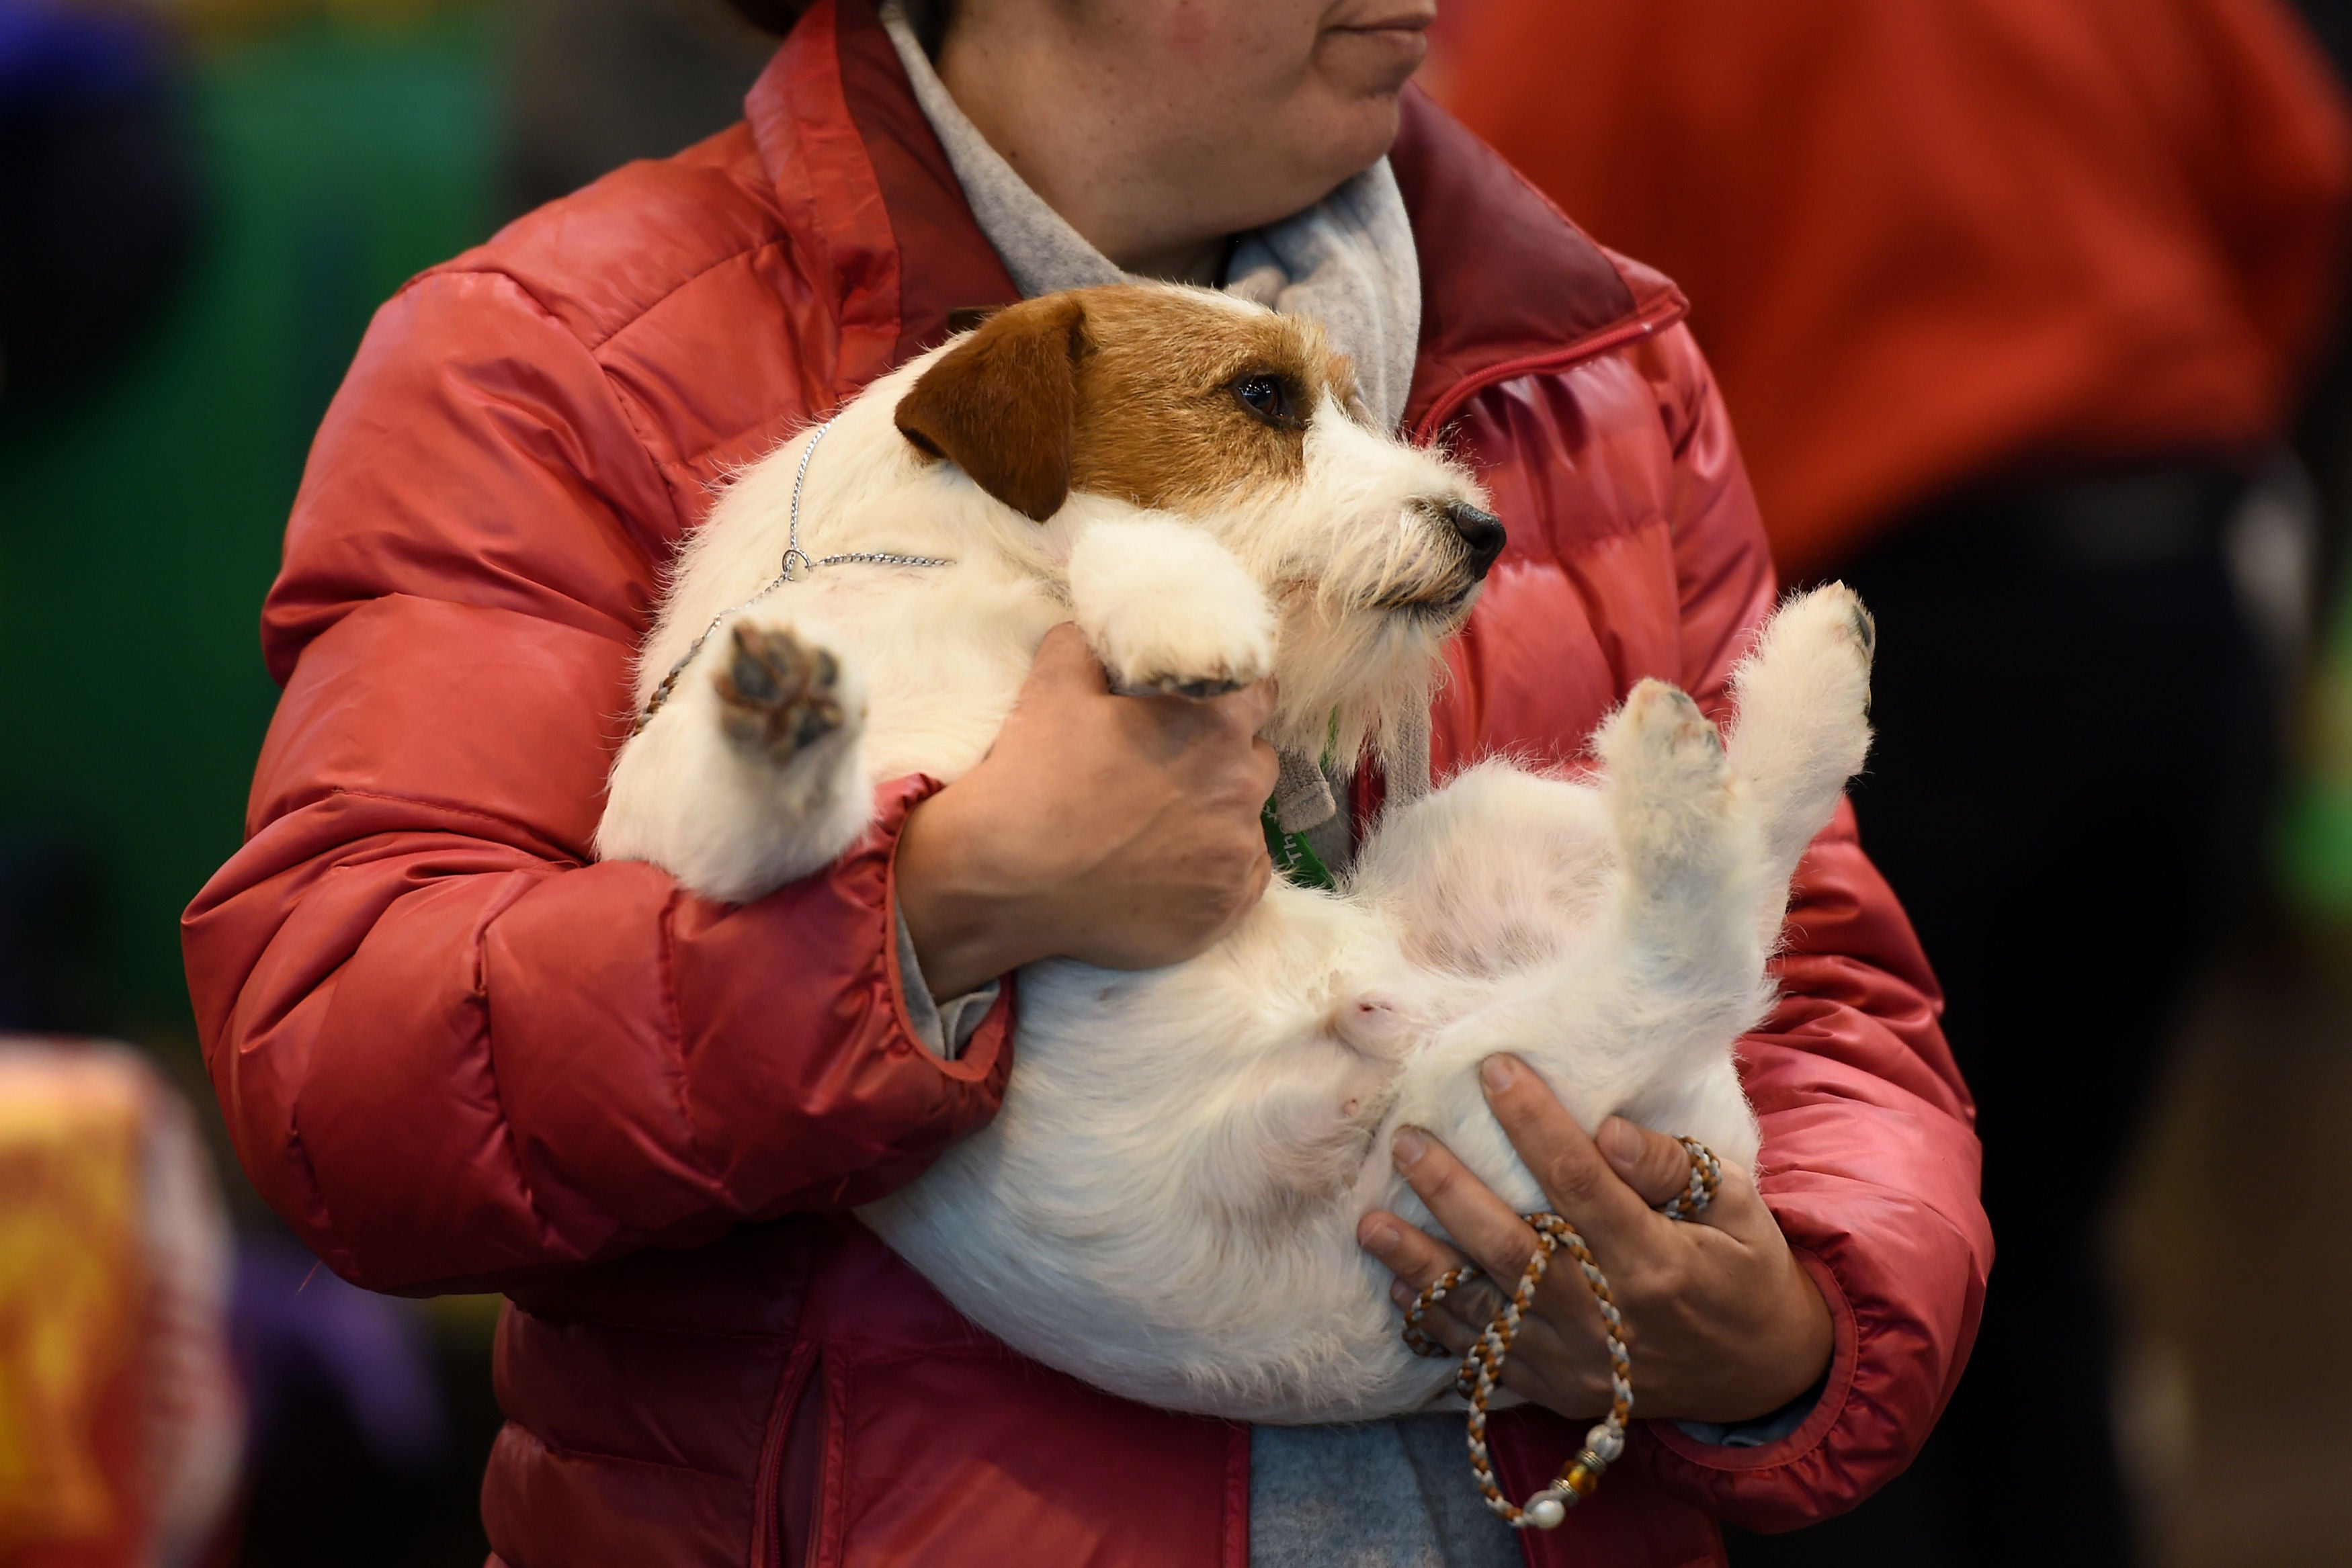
(1870, 1157)
(452, 1052)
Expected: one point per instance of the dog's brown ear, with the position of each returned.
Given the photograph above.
(1002, 405)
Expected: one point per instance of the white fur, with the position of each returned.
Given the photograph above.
(1162, 603)
(1166, 1204)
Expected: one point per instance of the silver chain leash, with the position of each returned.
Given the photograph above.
(795, 565)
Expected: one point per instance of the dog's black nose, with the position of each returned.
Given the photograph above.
(1482, 534)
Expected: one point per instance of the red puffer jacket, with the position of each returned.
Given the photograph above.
(455, 1053)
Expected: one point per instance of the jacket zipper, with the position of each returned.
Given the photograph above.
(768, 1546)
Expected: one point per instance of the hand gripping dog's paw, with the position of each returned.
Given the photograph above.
(777, 694)
(1168, 608)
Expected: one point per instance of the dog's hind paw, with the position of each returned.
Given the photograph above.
(778, 695)
(1661, 742)
(1669, 779)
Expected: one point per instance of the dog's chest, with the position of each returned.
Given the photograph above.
(945, 659)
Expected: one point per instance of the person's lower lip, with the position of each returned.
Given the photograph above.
(1401, 34)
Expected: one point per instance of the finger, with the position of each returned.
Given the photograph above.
(1251, 706)
(1250, 895)
(1490, 1230)
(1065, 657)
(1739, 1209)
(1415, 1257)
(1419, 1260)
(1583, 1190)
(1266, 765)
(1543, 1357)
(1656, 1166)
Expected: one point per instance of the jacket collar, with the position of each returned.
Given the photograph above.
(859, 174)
(1533, 293)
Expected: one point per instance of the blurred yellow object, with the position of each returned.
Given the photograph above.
(120, 1420)
(71, 1279)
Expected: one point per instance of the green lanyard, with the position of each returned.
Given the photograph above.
(1295, 859)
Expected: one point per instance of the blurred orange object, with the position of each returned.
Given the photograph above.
(118, 1416)
(1927, 242)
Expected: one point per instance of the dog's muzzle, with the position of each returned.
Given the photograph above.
(1481, 533)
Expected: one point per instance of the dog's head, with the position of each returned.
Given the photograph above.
(1206, 407)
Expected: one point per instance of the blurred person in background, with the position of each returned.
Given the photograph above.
(455, 1054)
(2010, 301)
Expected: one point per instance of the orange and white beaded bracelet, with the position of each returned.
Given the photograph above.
(1482, 1368)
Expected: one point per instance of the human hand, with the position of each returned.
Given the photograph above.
(1122, 831)
(1720, 1321)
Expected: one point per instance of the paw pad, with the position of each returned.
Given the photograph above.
(777, 694)
(1866, 631)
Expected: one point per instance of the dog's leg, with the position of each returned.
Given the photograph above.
(1673, 971)
(1169, 610)
(778, 697)
(750, 776)
(1803, 726)
(1690, 863)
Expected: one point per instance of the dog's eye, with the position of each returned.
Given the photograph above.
(1268, 397)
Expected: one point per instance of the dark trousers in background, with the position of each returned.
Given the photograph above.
(2073, 725)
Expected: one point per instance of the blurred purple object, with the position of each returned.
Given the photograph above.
(299, 1329)
(52, 52)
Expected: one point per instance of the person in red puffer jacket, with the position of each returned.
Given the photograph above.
(456, 1053)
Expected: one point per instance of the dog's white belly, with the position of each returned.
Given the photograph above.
(1166, 1205)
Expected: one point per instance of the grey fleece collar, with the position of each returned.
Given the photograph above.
(1347, 263)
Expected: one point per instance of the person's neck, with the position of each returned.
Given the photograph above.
(1062, 133)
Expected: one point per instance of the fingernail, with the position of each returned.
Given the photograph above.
(1380, 1238)
(1401, 1293)
(1497, 1071)
(1621, 1143)
(1407, 1148)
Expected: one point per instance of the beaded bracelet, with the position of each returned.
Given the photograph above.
(1482, 1368)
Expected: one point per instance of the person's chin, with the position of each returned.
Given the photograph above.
(1366, 128)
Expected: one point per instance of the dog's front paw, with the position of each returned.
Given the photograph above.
(1155, 678)
(1169, 610)
(778, 695)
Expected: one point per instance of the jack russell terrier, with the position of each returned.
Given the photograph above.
(1166, 1205)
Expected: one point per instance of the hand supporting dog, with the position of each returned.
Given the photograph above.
(1722, 1321)
(1120, 831)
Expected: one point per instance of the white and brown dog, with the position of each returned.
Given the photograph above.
(1166, 1205)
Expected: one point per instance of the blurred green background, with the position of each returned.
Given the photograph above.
(333, 152)
(139, 523)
